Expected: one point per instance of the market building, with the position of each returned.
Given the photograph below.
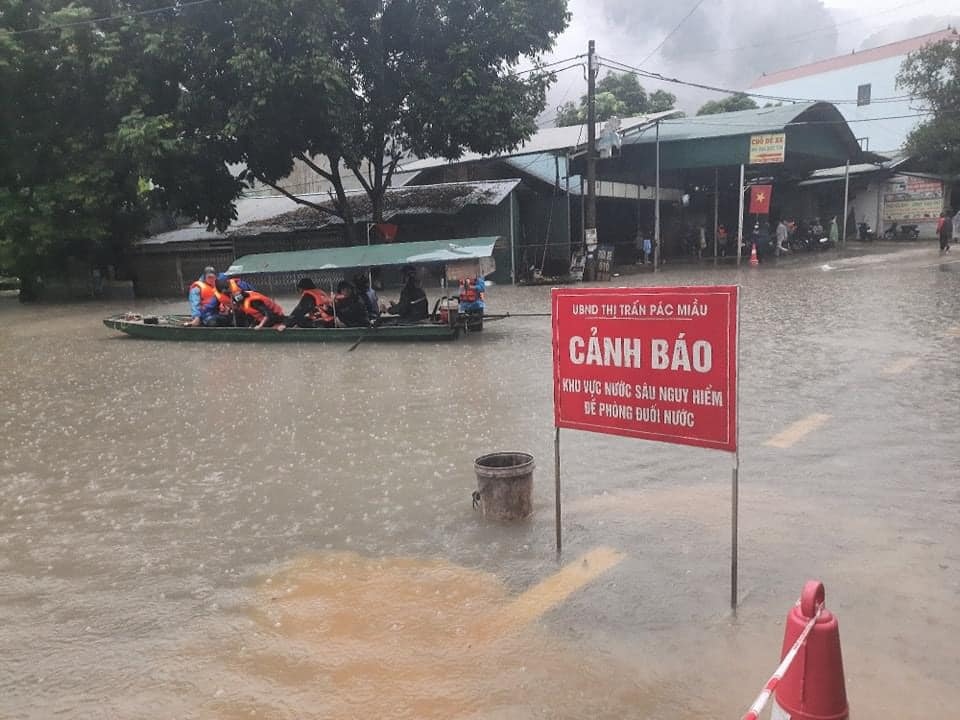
(713, 158)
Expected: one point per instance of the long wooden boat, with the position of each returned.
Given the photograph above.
(171, 327)
(468, 257)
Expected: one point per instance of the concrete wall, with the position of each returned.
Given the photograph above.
(842, 84)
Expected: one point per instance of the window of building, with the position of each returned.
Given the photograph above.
(863, 94)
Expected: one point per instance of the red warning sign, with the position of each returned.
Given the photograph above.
(651, 363)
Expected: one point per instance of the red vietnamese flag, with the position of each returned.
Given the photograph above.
(760, 199)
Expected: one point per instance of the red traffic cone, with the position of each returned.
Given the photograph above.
(813, 687)
(754, 260)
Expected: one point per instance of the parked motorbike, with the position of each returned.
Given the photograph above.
(865, 232)
(902, 232)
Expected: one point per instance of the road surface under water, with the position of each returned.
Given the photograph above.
(194, 531)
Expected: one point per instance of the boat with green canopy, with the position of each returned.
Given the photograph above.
(461, 259)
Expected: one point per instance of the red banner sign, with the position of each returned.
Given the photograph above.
(760, 199)
(651, 363)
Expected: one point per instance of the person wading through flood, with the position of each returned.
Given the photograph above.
(944, 231)
(313, 310)
(259, 310)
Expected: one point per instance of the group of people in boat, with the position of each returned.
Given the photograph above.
(217, 300)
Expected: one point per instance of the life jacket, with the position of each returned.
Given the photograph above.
(471, 293)
(248, 308)
(234, 286)
(468, 291)
(208, 293)
(321, 310)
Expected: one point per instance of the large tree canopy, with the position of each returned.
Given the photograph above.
(618, 95)
(343, 86)
(67, 193)
(731, 103)
(932, 74)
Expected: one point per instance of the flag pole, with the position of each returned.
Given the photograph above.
(740, 230)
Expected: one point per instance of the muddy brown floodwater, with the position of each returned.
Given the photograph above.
(195, 531)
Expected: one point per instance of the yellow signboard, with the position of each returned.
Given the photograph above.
(768, 148)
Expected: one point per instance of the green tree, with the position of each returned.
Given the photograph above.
(932, 74)
(618, 94)
(731, 103)
(661, 101)
(342, 86)
(68, 196)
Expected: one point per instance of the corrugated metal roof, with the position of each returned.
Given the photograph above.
(545, 140)
(262, 215)
(360, 256)
(742, 122)
(838, 174)
(903, 47)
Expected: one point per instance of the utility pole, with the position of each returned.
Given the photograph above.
(591, 207)
(656, 206)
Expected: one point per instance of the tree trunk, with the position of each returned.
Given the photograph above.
(378, 190)
(343, 206)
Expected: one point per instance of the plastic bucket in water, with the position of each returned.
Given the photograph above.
(505, 485)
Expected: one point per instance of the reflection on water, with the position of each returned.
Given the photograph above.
(148, 491)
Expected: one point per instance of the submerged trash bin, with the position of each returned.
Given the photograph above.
(505, 485)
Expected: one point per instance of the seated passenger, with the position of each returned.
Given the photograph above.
(232, 285)
(206, 301)
(313, 310)
(368, 295)
(259, 311)
(473, 295)
(348, 309)
(413, 304)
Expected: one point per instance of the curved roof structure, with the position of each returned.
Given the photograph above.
(817, 135)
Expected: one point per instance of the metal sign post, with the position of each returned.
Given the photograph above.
(656, 363)
(556, 488)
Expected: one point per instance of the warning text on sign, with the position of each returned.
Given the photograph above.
(654, 363)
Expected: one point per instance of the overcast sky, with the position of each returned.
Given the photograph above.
(730, 42)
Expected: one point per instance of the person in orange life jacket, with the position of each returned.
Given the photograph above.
(313, 310)
(259, 309)
(232, 285)
(205, 301)
(473, 295)
(228, 287)
(349, 309)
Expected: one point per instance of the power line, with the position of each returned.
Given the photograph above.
(704, 120)
(108, 18)
(539, 68)
(675, 28)
(623, 67)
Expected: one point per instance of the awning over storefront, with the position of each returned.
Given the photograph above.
(361, 256)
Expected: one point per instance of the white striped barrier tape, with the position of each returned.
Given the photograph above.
(761, 702)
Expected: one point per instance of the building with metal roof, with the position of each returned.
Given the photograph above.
(863, 84)
(166, 263)
(817, 136)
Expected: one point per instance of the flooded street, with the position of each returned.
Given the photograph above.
(286, 531)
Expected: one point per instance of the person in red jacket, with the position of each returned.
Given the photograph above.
(259, 310)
